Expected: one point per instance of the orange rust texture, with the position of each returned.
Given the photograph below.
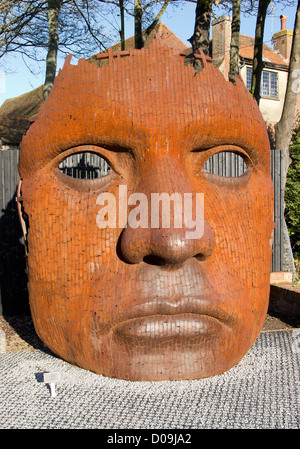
(148, 304)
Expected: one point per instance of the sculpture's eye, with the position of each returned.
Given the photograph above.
(226, 164)
(85, 165)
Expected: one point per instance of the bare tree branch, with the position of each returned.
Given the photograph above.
(157, 18)
(88, 24)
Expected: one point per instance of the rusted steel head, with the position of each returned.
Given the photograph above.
(110, 290)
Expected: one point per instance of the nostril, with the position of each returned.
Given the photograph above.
(152, 259)
(202, 256)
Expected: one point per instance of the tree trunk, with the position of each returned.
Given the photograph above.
(138, 15)
(235, 41)
(200, 38)
(122, 31)
(51, 60)
(140, 38)
(284, 128)
(258, 48)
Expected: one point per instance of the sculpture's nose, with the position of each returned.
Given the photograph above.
(169, 238)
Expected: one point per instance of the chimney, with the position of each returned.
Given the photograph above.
(283, 22)
(221, 36)
(282, 40)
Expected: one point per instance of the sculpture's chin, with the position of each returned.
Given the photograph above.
(177, 359)
(126, 353)
(157, 347)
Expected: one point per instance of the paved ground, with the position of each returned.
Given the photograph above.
(262, 391)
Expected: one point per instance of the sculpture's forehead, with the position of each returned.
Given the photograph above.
(148, 95)
(138, 85)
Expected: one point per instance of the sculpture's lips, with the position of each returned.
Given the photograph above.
(183, 325)
(184, 316)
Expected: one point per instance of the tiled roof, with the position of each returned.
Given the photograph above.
(167, 36)
(12, 129)
(247, 51)
(25, 106)
(17, 114)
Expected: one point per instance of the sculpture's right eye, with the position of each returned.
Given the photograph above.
(85, 166)
(226, 164)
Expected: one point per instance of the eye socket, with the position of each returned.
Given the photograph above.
(85, 165)
(227, 164)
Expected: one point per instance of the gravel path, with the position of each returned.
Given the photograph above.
(262, 391)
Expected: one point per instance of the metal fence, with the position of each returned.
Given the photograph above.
(84, 166)
(13, 280)
(226, 164)
(277, 171)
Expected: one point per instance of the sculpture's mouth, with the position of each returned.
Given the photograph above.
(185, 317)
(157, 327)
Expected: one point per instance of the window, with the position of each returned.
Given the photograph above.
(249, 78)
(269, 83)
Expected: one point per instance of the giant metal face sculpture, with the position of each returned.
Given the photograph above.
(144, 302)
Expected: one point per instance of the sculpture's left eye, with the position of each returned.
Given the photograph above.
(85, 165)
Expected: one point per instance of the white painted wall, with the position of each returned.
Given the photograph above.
(271, 108)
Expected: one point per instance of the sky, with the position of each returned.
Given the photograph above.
(16, 79)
